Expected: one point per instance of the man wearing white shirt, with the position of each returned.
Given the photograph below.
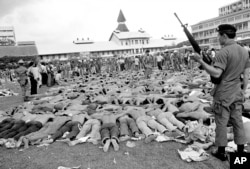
(43, 71)
(35, 76)
(136, 62)
(159, 59)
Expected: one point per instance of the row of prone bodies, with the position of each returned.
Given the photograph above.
(28, 128)
(72, 103)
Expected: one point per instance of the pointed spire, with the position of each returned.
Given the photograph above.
(121, 17)
(122, 28)
(121, 23)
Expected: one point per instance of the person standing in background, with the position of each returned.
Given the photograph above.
(159, 59)
(22, 78)
(34, 75)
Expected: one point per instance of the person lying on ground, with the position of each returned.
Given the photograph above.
(167, 119)
(18, 126)
(49, 128)
(200, 113)
(109, 130)
(144, 122)
(72, 127)
(127, 123)
(39, 121)
(91, 129)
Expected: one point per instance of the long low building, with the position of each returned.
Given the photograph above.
(121, 42)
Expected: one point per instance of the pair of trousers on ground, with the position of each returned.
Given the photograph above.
(20, 128)
(10, 127)
(48, 129)
(109, 131)
(168, 120)
(147, 123)
(71, 126)
(127, 123)
(92, 128)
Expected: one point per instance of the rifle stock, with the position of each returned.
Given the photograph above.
(197, 49)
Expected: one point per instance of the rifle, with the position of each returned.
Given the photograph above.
(197, 49)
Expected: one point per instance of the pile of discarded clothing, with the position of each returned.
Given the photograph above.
(109, 108)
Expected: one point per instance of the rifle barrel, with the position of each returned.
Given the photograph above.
(178, 19)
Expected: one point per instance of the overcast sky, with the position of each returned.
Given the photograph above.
(56, 22)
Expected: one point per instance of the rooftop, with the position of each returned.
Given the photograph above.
(30, 50)
(99, 46)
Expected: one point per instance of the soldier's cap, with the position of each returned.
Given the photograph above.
(21, 61)
(226, 28)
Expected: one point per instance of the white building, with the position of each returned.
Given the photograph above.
(121, 42)
(237, 14)
(234, 7)
(7, 36)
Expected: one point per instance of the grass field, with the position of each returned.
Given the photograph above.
(142, 156)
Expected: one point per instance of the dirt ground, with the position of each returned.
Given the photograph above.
(143, 156)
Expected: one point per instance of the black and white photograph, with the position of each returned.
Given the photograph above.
(124, 84)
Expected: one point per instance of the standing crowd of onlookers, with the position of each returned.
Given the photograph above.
(49, 74)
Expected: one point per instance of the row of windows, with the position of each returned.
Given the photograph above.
(123, 52)
(243, 35)
(234, 5)
(204, 34)
(6, 31)
(231, 19)
(135, 42)
(6, 37)
(225, 10)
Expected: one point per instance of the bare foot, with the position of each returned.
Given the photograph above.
(106, 146)
(115, 144)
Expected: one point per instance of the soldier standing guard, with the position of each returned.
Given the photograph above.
(21, 73)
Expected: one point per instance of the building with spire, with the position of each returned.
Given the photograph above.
(122, 42)
(121, 23)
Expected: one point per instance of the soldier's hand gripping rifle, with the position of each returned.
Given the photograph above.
(197, 49)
